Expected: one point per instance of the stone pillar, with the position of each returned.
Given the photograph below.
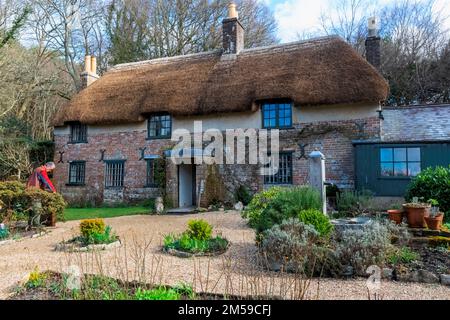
(317, 176)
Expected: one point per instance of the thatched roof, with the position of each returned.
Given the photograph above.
(315, 72)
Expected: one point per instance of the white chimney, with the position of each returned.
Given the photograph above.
(89, 75)
(373, 27)
(232, 12)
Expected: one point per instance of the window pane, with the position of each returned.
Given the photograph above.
(386, 155)
(413, 154)
(387, 169)
(400, 169)
(399, 154)
(414, 169)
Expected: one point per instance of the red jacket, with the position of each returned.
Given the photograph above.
(39, 179)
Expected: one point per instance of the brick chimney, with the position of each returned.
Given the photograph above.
(373, 44)
(89, 75)
(233, 32)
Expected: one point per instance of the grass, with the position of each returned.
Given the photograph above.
(71, 214)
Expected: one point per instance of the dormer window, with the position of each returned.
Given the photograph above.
(78, 133)
(160, 126)
(277, 115)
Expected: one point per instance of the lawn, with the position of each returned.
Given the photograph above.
(91, 213)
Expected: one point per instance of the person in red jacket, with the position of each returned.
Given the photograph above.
(39, 178)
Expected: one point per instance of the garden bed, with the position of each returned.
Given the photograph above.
(95, 236)
(53, 286)
(184, 254)
(79, 246)
(196, 241)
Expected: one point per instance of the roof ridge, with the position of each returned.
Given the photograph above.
(263, 49)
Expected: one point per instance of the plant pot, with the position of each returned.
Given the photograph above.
(396, 216)
(435, 223)
(416, 214)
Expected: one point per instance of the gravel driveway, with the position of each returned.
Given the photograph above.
(140, 258)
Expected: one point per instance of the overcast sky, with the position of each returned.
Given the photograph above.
(298, 16)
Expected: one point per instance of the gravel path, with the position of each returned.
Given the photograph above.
(140, 258)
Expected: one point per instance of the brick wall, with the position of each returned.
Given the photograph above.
(333, 139)
(117, 146)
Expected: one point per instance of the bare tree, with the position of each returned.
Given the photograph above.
(348, 19)
(140, 29)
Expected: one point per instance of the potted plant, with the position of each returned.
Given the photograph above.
(416, 213)
(396, 214)
(435, 219)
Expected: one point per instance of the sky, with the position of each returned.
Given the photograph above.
(303, 16)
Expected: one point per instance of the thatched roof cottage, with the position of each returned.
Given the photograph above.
(320, 93)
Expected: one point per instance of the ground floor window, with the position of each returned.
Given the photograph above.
(77, 172)
(115, 174)
(284, 174)
(151, 165)
(400, 162)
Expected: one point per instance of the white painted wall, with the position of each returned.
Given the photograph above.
(245, 120)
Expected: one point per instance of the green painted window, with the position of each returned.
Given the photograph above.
(400, 162)
(160, 126)
(77, 173)
(277, 115)
(78, 133)
(284, 174)
(114, 174)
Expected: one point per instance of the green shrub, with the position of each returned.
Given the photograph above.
(404, 255)
(186, 243)
(242, 194)
(361, 248)
(259, 202)
(353, 203)
(94, 231)
(150, 203)
(92, 226)
(288, 204)
(318, 220)
(53, 204)
(432, 183)
(105, 237)
(294, 246)
(199, 229)
(18, 202)
(160, 293)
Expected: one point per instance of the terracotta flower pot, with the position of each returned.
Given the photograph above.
(396, 216)
(416, 214)
(436, 222)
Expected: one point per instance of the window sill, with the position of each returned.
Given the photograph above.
(281, 129)
(77, 142)
(74, 185)
(151, 187)
(395, 178)
(114, 188)
(158, 138)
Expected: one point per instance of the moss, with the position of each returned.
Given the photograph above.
(439, 241)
